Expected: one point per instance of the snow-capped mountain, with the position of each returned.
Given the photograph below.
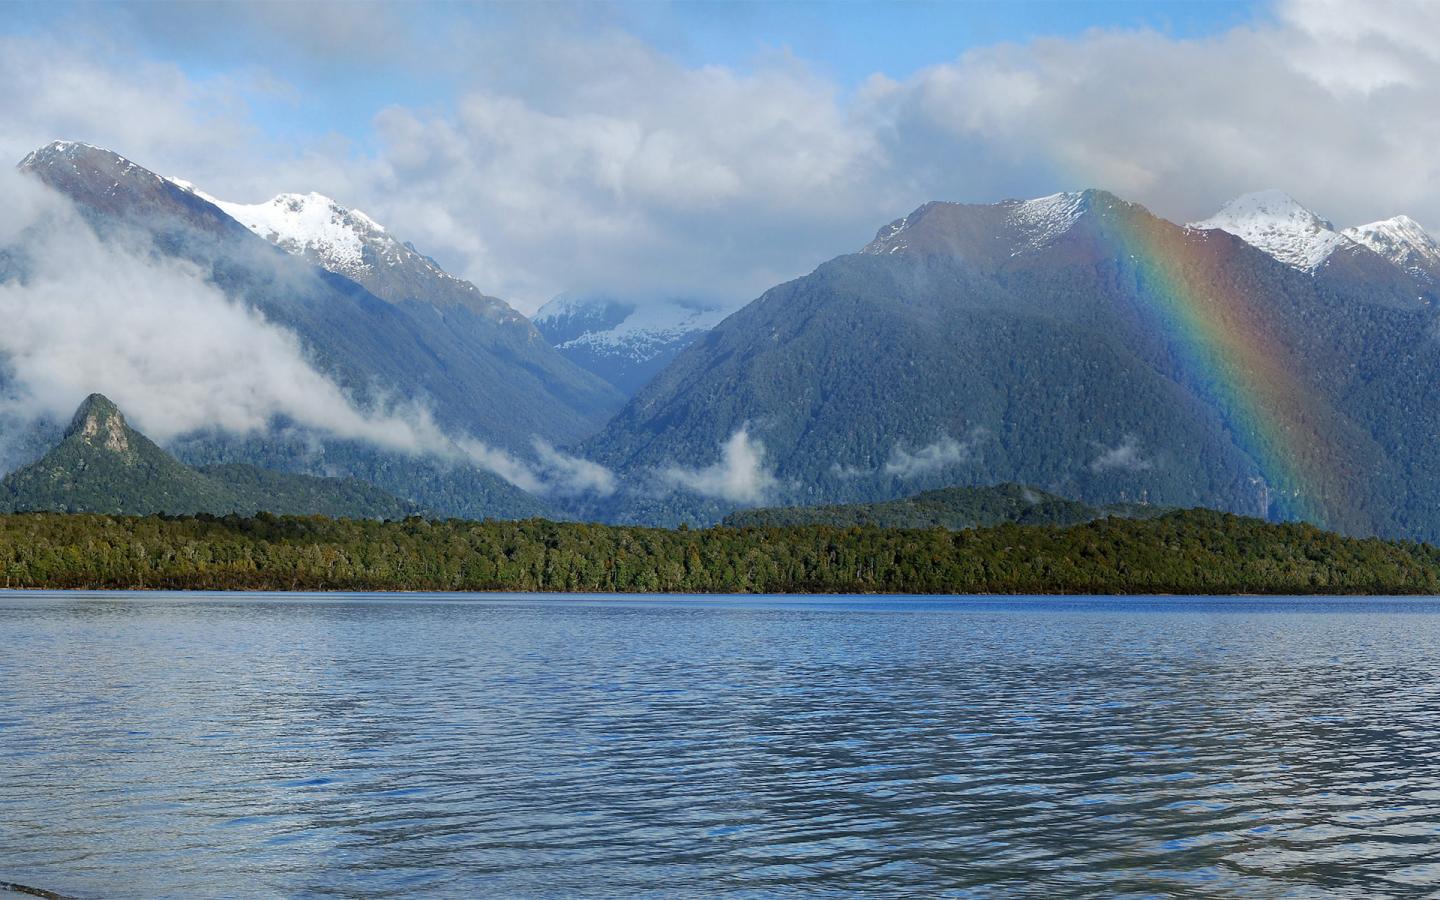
(623, 342)
(1402, 241)
(1274, 222)
(348, 242)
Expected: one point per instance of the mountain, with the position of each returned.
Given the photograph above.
(954, 508)
(103, 465)
(1077, 343)
(382, 321)
(1403, 242)
(626, 344)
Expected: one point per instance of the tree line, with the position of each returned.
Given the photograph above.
(1193, 551)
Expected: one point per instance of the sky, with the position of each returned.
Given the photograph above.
(712, 150)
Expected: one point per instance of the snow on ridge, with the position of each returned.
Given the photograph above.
(189, 188)
(1274, 222)
(1046, 218)
(891, 238)
(1401, 240)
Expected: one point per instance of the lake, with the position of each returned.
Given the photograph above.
(350, 745)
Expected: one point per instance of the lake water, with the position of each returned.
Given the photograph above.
(259, 745)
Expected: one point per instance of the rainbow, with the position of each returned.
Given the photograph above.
(1230, 344)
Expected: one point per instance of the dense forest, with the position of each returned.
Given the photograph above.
(1195, 551)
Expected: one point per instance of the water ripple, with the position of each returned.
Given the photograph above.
(189, 746)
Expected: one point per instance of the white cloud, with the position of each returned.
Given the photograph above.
(1124, 456)
(739, 476)
(942, 454)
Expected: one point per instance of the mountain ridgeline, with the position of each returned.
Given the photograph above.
(104, 466)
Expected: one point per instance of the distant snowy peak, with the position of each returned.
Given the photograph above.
(1402, 241)
(1273, 222)
(313, 224)
(636, 331)
(624, 342)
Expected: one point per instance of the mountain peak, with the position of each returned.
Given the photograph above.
(99, 423)
(971, 229)
(310, 223)
(1404, 242)
(1278, 224)
(1044, 219)
(62, 150)
(78, 157)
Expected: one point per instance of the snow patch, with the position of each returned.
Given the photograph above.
(1044, 219)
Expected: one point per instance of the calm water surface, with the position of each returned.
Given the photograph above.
(259, 745)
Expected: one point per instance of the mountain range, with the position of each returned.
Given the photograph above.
(1260, 361)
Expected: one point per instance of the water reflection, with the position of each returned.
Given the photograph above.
(333, 746)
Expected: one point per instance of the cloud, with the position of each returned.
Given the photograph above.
(1124, 456)
(943, 453)
(646, 176)
(1181, 124)
(739, 476)
(92, 90)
